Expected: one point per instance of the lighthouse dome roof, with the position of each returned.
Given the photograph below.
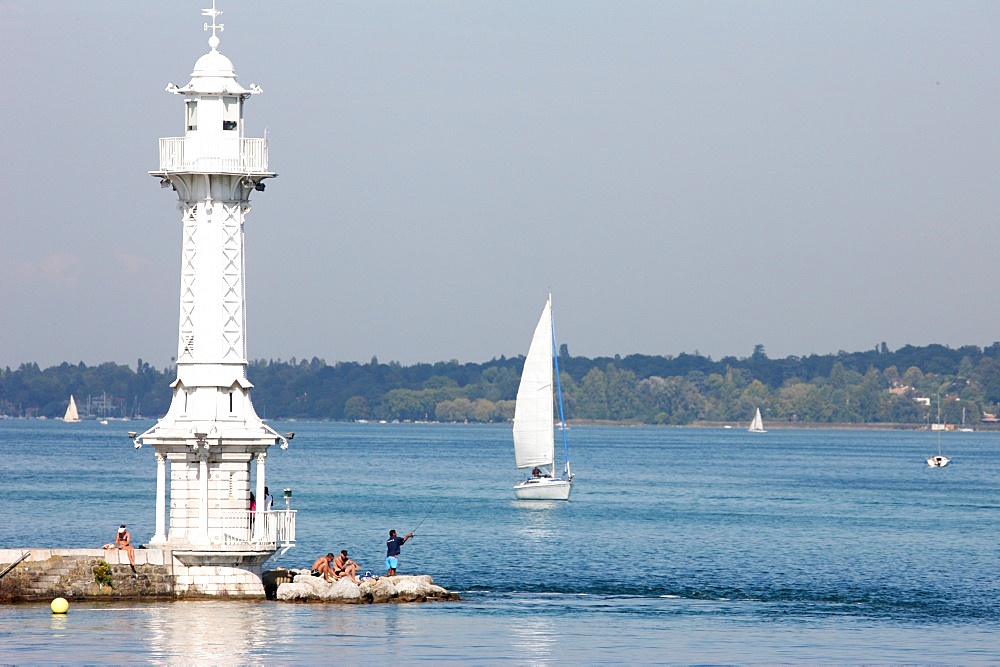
(214, 64)
(213, 73)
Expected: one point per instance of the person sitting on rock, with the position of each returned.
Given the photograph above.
(321, 568)
(345, 567)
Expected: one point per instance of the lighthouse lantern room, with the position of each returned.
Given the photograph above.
(211, 437)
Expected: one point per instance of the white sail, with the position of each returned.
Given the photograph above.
(757, 425)
(534, 443)
(71, 414)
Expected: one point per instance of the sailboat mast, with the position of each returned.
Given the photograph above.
(555, 363)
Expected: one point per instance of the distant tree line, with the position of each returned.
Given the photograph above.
(907, 386)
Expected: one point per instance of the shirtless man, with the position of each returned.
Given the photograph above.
(345, 567)
(321, 568)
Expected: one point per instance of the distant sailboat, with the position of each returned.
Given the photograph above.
(71, 414)
(534, 421)
(940, 460)
(757, 425)
(963, 427)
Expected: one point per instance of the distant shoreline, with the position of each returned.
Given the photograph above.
(770, 426)
(775, 426)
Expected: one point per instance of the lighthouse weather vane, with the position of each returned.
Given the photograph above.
(214, 13)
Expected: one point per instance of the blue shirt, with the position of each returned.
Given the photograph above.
(392, 545)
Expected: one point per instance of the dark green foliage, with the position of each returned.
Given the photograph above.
(874, 386)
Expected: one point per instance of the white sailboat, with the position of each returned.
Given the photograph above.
(940, 460)
(757, 425)
(71, 414)
(534, 421)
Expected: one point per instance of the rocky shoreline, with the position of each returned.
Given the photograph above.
(302, 586)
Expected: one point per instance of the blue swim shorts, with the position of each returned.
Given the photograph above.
(391, 563)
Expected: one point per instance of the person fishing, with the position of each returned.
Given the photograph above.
(392, 546)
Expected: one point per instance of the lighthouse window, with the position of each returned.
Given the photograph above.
(192, 114)
(230, 112)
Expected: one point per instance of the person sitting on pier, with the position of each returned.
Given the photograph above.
(345, 567)
(321, 568)
(124, 541)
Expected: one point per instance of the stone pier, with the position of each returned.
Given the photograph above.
(104, 574)
(85, 574)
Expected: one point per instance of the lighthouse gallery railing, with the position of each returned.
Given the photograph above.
(258, 530)
(219, 155)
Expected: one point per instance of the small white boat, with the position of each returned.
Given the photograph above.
(534, 419)
(757, 425)
(963, 428)
(940, 460)
(71, 415)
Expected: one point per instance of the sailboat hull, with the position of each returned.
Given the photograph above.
(544, 489)
(938, 461)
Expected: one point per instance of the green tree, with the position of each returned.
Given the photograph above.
(592, 397)
(457, 410)
(754, 396)
(356, 407)
(621, 394)
(672, 400)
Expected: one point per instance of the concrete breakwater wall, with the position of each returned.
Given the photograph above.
(84, 574)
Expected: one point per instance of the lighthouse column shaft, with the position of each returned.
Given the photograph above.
(201, 535)
(160, 535)
(261, 457)
(211, 347)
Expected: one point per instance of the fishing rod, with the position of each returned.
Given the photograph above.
(433, 505)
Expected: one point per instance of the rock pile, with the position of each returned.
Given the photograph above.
(398, 588)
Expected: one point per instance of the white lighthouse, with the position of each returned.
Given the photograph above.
(211, 437)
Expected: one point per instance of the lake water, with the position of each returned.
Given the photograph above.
(679, 546)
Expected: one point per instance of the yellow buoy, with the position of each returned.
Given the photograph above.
(59, 606)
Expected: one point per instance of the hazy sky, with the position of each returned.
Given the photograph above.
(684, 176)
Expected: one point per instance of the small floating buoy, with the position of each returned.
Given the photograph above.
(59, 606)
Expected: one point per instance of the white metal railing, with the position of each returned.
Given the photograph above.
(219, 155)
(257, 530)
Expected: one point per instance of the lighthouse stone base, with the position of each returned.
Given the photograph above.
(223, 574)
